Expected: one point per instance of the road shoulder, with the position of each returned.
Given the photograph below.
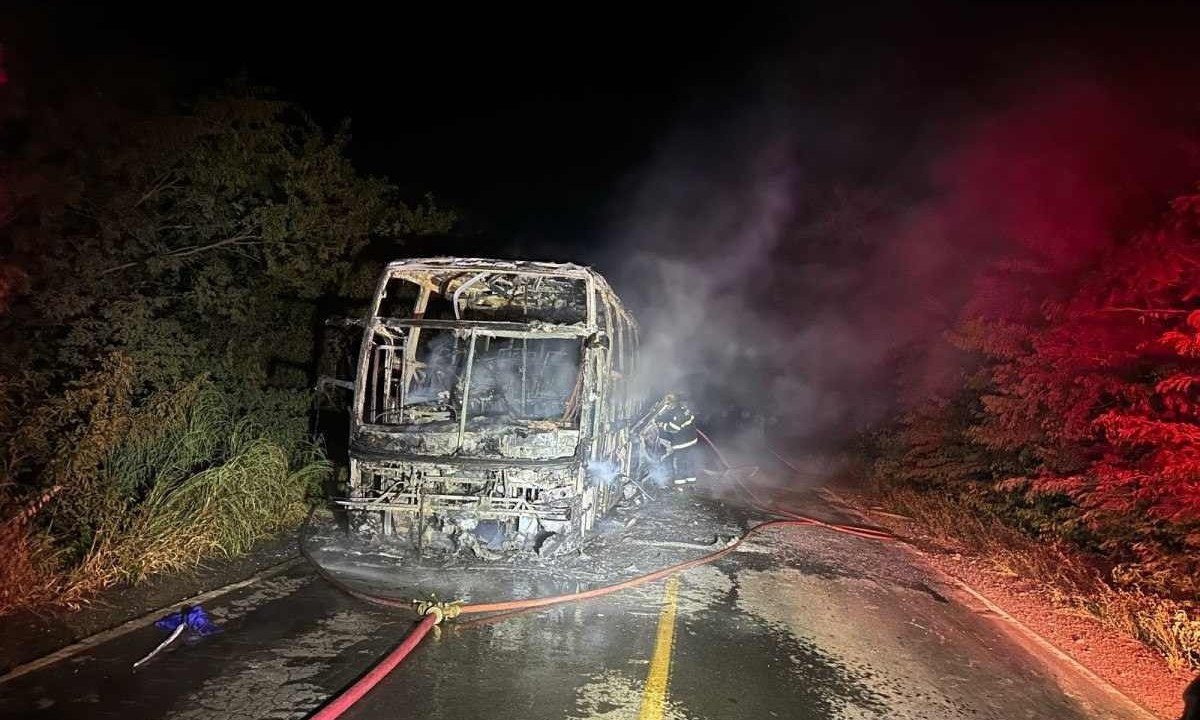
(1121, 665)
(33, 635)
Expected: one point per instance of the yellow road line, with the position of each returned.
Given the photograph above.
(655, 695)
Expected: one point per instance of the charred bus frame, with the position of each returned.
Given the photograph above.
(456, 440)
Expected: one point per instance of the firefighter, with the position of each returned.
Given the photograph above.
(678, 436)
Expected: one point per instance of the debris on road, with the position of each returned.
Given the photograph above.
(192, 619)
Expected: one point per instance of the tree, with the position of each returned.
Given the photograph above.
(1080, 415)
(195, 242)
(1146, 299)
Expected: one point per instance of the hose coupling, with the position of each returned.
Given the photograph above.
(439, 610)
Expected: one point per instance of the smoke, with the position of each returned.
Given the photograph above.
(785, 262)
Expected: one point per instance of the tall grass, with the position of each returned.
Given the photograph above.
(247, 491)
(28, 566)
(181, 481)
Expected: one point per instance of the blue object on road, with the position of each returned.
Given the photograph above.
(193, 617)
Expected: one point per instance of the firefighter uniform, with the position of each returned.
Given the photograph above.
(679, 439)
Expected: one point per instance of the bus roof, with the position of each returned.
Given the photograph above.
(527, 267)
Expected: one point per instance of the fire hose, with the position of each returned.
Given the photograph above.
(432, 613)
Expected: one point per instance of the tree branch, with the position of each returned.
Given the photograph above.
(163, 182)
(1145, 311)
(185, 252)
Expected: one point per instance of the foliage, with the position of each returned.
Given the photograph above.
(28, 569)
(178, 478)
(1081, 414)
(195, 242)
(164, 270)
(197, 481)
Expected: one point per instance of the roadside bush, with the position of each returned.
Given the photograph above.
(137, 488)
(1070, 450)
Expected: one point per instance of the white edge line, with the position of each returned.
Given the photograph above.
(130, 625)
(1000, 613)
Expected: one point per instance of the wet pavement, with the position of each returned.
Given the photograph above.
(798, 623)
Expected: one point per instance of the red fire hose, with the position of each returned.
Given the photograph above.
(354, 693)
(432, 615)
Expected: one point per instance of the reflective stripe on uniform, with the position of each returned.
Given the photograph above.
(687, 444)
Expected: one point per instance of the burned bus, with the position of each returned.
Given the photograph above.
(493, 407)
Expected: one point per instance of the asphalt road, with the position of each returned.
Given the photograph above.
(799, 623)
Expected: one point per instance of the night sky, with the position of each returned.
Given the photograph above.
(529, 121)
(536, 122)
